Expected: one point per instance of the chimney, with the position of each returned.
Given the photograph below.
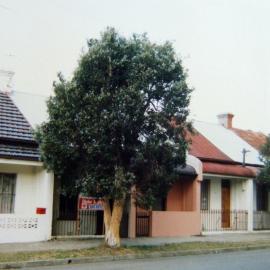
(6, 81)
(225, 119)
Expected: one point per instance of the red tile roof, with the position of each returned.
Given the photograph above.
(214, 160)
(202, 148)
(229, 169)
(255, 139)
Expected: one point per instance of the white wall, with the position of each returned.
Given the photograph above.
(250, 202)
(241, 199)
(34, 188)
(239, 193)
(215, 193)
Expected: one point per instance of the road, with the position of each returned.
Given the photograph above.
(245, 260)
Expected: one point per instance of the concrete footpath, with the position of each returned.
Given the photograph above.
(71, 244)
(254, 241)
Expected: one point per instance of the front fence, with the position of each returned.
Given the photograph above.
(142, 224)
(88, 223)
(261, 220)
(224, 220)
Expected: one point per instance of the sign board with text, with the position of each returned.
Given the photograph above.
(90, 203)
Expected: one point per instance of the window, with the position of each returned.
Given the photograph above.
(68, 207)
(262, 197)
(7, 193)
(160, 205)
(205, 194)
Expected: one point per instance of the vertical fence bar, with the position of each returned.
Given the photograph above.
(261, 220)
(212, 220)
(142, 224)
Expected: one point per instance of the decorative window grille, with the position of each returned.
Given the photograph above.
(205, 194)
(7, 193)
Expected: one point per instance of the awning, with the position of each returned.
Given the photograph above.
(229, 169)
(186, 170)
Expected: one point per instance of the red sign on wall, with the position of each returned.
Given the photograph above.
(40, 211)
(90, 203)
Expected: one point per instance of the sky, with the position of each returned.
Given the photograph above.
(224, 46)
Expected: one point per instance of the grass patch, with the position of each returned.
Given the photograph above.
(105, 251)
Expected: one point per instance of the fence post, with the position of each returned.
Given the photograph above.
(249, 196)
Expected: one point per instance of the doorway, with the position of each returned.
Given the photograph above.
(225, 203)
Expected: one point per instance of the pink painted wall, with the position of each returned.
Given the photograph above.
(182, 216)
(180, 197)
(175, 223)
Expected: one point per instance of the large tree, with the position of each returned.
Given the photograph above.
(119, 122)
(264, 175)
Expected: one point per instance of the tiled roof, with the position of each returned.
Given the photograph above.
(255, 139)
(16, 138)
(229, 169)
(13, 125)
(215, 161)
(202, 148)
(227, 141)
(20, 152)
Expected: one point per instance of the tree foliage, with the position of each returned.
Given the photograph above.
(120, 121)
(264, 175)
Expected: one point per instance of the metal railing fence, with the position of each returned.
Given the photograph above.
(224, 220)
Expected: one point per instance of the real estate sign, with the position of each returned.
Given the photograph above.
(90, 203)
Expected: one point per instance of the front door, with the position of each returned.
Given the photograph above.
(225, 203)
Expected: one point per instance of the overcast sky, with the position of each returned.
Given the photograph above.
(224, 44)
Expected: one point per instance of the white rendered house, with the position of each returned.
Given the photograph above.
(26, 188)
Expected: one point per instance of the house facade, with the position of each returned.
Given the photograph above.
(26, 189)
(230, 195)
(180, 213)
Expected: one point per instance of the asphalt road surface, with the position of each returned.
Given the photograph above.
(246, 260)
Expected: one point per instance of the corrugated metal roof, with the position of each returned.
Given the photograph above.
(202, 148)
(228, 142)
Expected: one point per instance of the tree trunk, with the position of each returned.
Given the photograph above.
(112, 218)
(107, 214)
(112, 235)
